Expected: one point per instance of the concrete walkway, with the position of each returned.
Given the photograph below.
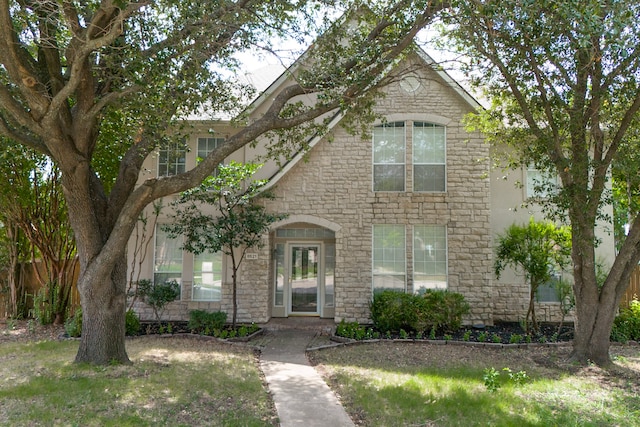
(301, 396)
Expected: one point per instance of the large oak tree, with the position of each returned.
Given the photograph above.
(564, 81)
(72, 72)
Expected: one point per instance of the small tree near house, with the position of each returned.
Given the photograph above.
(537, 249)
(237, 224)
(157, 295)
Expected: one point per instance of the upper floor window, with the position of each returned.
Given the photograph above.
(172, 158)
(429, 149)
(389, 157)
(207, 145)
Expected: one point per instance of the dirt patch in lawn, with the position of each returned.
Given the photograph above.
(28, 330)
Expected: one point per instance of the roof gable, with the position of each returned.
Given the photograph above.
(287, 76)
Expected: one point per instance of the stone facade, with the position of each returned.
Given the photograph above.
(332, 188)
(334, 183)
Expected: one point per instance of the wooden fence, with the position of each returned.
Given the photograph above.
(28, 277)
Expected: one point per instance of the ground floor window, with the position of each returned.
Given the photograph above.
(429, 257)
(548, 292)
(425, 269)
(207, 277)
(279, 275)
(329, 273)
(389, 257)
(167, 265)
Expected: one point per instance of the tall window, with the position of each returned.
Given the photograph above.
(329, 273)
(207, 145)
(167, 256)
(207, 277)
(389, 257)
(429, 257)
(429, 157)
(279, 276)
(172, 159)
(389, 157)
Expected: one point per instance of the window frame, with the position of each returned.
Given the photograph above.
(548, 288)
(376, 164)
(213, 272)
(438, 251)
(375, 246)
(431, 153)
(531, 175)
(169, 272)
(178, 165)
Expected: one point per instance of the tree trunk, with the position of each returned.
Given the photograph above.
(592, 331)
(234, 297)
(531, 313)
(103, 317)
(596, 306)
(14, 262)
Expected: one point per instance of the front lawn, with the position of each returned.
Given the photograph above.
(172, 382)
(419, 384)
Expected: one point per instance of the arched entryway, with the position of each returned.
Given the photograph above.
(303, 276)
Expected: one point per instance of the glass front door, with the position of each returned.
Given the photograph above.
(304, 278)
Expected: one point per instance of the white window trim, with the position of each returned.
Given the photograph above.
(193, 281)
(413, 163)
(155, 248)
(404, 164)
(446, 253)
(373, 275)
(160, 149)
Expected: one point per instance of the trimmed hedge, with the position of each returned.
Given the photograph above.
(439, 310)
(204, 322)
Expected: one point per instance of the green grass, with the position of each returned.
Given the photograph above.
(412, 393)
(176, 382)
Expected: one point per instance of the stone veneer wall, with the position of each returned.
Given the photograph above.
(335, 184)
(511, 302)
(253, 299)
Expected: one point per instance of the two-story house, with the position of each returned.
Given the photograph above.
(413, 206)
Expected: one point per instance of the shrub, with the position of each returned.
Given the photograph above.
(393, 310)
(73, 324)
(444, 309)
(132, 323)
(158, 295)
(353, 330)
(626, 325)
(436, 310)
(201, 321)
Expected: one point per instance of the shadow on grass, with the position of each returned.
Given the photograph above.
(385, 385)
(171, 382)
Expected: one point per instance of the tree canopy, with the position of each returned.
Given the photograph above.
(98, 85)
(564, 83)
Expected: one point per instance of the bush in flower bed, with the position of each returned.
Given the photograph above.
(626, 325)
(435, 310)
(213, 324)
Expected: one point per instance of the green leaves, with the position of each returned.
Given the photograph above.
(537, 248)
(238, 221)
